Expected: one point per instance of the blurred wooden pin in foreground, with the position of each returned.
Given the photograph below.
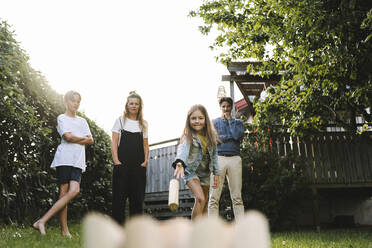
(252, 230)
(102, 231)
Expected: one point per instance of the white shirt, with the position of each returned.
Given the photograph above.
(71, 154)
(130, 126)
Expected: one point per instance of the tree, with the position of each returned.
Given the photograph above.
(322, 49)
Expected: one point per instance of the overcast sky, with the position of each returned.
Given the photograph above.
(104, 49)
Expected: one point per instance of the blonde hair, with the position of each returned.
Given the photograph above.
(70, 94)
(208, 130)
(139, 116)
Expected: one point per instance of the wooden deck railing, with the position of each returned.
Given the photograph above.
(159, 174)
(337, 159)
(159, 170)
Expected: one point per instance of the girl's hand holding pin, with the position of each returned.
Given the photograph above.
(179, 172)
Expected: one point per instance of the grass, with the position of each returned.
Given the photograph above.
(16, 237)
(338, 238)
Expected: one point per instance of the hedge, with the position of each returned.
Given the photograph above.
(28, 136)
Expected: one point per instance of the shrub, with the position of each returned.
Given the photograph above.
(272, 184)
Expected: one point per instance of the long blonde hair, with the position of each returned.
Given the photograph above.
(208, 130)
(139, 117)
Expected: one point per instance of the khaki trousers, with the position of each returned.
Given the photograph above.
(230, 168)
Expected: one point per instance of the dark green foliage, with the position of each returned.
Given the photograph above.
(271, 183)
(28, 111)
(322, 49)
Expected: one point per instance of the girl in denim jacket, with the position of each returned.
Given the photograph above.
(197, 157)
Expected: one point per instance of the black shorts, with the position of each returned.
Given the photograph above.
(67, 173)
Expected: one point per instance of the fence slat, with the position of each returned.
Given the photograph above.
(368, 149)
(340, 158)
(318, 166)
(358, 163)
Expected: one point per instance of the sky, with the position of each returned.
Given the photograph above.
(105, 49)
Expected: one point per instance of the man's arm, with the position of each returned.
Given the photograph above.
(236, 129)
(220, 131)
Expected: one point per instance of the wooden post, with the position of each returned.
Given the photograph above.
(316, 214)
(233, 97)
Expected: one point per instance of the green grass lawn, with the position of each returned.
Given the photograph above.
(15, 237)
(352, 238)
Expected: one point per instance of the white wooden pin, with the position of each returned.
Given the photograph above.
(176, 232)
(208, 232)
(143, 232)
(102, 231)
(174, 186)
(252, 230)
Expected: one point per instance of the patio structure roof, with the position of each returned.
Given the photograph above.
(249, 85)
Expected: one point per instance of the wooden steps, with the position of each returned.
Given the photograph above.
(156, 205)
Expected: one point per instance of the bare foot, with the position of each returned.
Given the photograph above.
(67, 235)
(38, 225)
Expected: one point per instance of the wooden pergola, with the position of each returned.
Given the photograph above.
(249, 85)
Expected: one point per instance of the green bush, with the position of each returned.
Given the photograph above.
(271, 183)
(28, 139)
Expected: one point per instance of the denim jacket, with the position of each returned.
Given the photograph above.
(190, 155)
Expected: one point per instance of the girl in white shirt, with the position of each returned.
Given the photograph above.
(69, 160)
(130, 151)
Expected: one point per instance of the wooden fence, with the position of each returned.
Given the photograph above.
(160, 171)
(337, 159)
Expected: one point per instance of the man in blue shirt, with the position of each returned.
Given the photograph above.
(230, 132)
